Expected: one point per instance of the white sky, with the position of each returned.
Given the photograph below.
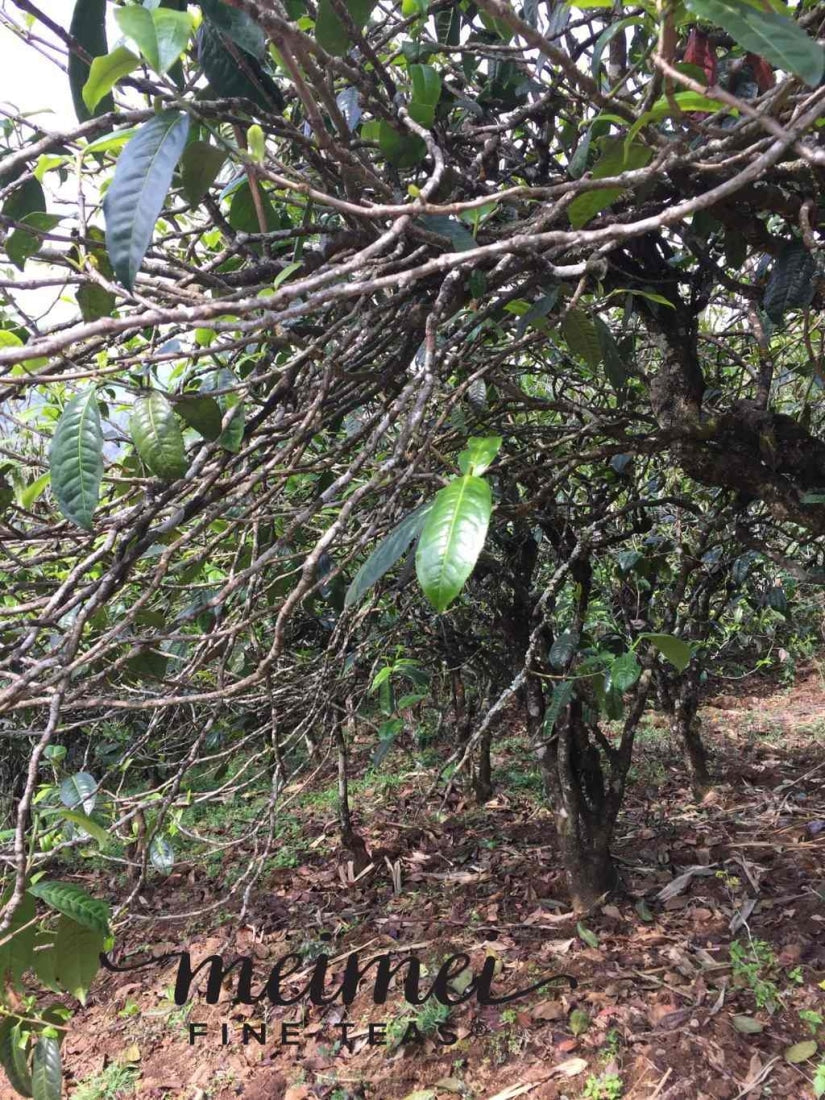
(28, 80)
(31, 82)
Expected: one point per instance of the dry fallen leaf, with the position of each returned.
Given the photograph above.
(801, 1052)
(747, 1025)
(572, 1067)
(548, 1010)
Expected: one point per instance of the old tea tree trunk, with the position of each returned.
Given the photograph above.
(584, 776)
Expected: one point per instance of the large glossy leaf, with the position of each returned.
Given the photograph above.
(76, 459)
(77, 960)
(201, 413)
(618, 157)
(137, 192)
(87, 824)
(234, 72)
(581, 337)
(88, 27)
(792, 282)
(105, 72)
(79, 790)
(47, 1074)
(452, 538)
(232, 435)
(623, 673)
(386, 554)
(160, 35)
(199, 167)
(675, 650)
(13, 1057)
(16, 952)
(240, 27)
(562, 694)
(157, 436)
(478, 454)
(330, 33)
(74, 902)
(162, 855)
(766, 33)
(563, 649)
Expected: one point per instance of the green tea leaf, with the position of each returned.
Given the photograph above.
(105, 72)
(157, 436)
(77, 950)
(386, 554)
(88, 28)
(47, 1074)
(137, 192)
(452, 539)
(76, 459)
(766, 33)
(74, 902)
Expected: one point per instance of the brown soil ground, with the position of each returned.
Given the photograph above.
(664, 1005)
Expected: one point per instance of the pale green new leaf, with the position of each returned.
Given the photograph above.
(452, 538)
(161, 35)
(87, 824)
(479, 453)
(105, 72)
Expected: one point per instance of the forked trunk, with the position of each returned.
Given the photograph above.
(686, 725)
(483, 776)
(588, 866)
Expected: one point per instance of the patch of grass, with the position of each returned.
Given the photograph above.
(510, 1040)
(812, 1020)
(651, 730)
(611, 1045)
(114, 1081)
(754, 965)
(522, 777)
(814, 730)
(607, 1086)
(426, 1020)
